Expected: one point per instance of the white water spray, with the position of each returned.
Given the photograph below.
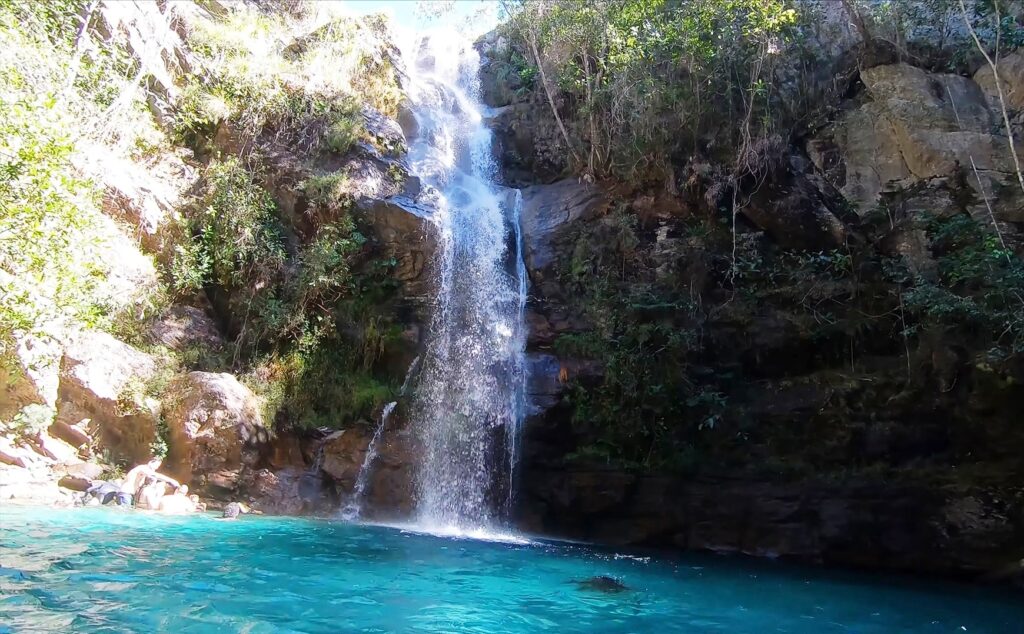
(469, 401)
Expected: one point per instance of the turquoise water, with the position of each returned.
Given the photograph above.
(108, 570)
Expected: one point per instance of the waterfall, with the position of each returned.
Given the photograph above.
(469, 400)
(353, 510)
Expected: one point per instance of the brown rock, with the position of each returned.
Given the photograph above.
(75, 483)
(402, 228)
(797, 215)
(182, 327)
(1011, 75)
(75, 435)
(343, 454)
(11, 454)
(86, 470)
(216, 429)
(100, 376)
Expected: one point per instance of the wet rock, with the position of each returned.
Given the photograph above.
(100, 377)
(344, 452)
(404, 232)
(548, 212)
(390, 494)
(885, 526)
(215, 427)
(387, 133)
(286, 492)
(390, 486)
(602, 583)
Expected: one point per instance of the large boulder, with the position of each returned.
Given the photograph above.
(103, 380)
(916, 126)
(291, 491)
(343, 453)
(799, 213)
(391, 492)
(215, 430)
(389, 489)
(403, 231)
(1011, 76)
(547, 213)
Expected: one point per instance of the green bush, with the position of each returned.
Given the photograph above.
(979, 287)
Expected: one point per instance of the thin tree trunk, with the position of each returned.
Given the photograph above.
(994, 65)
(547, 91)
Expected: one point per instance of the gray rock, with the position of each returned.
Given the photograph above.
(183, 327)
(549, 211)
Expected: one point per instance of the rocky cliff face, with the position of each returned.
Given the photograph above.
(781, 391)
(223, 356)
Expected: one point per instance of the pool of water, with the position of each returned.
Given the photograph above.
(109, 570)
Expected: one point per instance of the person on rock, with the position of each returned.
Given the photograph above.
(134, 479)
(178, 502)
(150, 494)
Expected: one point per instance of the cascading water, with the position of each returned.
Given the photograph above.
(353, 510)
(470, 397)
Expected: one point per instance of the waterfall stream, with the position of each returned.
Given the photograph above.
(469, 400)
(353, 510)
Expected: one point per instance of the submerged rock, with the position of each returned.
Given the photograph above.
(602, 583)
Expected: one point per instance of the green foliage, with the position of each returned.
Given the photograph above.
(327, 190)
(237, 238)
(979, 288)
(44, 234)
(306, 91)
(159, 445)
(645, 410)
(343, 134)
(649, 77)
(60, 94)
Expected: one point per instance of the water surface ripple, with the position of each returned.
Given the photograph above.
(106, 570)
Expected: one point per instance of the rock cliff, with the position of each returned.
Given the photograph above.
(782, 388)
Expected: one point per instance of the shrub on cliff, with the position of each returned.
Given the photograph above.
(647, 79)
